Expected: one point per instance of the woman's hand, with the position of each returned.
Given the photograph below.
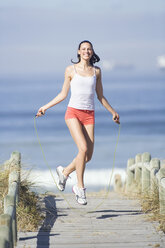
(116, 118)
(41, 112)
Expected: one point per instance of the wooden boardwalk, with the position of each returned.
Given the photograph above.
(118, 222)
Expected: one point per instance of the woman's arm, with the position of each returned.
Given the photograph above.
(102, 99)
(61, 96)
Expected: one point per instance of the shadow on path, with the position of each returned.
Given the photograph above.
(116, 211)
(44, 233)
(121, 213)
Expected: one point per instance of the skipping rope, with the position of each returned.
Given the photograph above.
(62, 194)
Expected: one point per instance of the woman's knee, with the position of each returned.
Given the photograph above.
(83, 149)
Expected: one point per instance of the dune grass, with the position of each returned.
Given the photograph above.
(149, 204)
(28, 211)
(4, 175)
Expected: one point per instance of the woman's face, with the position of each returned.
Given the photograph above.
(85, 51)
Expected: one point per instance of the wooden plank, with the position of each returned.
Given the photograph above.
(117, 223)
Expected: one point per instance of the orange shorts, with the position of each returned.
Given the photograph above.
(85, 117)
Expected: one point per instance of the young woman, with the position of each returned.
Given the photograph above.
(84, 79)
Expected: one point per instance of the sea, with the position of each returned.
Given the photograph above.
(139, 98)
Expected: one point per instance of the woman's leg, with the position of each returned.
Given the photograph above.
(78, 163)
(88, 131)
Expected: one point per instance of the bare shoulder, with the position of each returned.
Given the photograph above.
(69, 71)
(69, 68)
(98, 71)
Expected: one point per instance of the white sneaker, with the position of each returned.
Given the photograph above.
(61, 178)
(80, 195)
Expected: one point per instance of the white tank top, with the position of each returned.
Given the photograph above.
(82, 91)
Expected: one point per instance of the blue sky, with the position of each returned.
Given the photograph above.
(41, 36)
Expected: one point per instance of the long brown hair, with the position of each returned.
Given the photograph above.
(95, 58)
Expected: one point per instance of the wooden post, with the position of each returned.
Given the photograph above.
(130, 174)
(13, 190)
(155, 166)
(8, 227)
(10, 208)
(16, 158)
(162, 164)
(161, 192)
(13, 177)
(14, 227)
(138, 171)
(6, 230)
(3, 242)
(8, 201)
(117, 183)
(146, 157)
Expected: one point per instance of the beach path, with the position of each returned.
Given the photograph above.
(117, 222)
